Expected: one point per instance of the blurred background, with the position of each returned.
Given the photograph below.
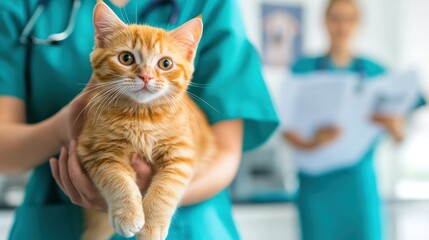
(394, 33)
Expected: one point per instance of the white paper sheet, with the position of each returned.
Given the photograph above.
(398, 92)
(347, 102)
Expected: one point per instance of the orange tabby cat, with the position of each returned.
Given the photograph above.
(140, 106)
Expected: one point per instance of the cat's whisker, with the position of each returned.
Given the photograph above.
(172, 96)
(170, 102)
(198, 85)
(128, 32)
(122, 14)
(121, 79)
(83, 110)
(100, 104)
(100, 96)
(137, 17)
(173, 101)
(91, 89)
(121, 92)
(126, 14)
(112, 97)
(198, 98)
(87, 105)
(99, 109)
(116, 96)
(95, 86)
(107, 104)
(92, 102)
(81, 95)
(99, 83)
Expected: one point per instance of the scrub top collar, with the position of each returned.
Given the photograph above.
(326, 63)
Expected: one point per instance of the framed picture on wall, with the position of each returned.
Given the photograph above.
(282, 34)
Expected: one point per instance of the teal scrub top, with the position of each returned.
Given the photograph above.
(324, 63)
(48, 77)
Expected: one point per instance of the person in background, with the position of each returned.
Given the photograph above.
(343, 204)
(37, 86)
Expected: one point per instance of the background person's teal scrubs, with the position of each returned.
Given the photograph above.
(48, 77)
(343, 204)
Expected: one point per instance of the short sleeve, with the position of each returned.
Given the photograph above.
(229, 76)
(372, 68)
(12, 52)
(421, 102)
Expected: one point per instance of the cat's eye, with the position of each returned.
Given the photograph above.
(165, 63)
(126, 58)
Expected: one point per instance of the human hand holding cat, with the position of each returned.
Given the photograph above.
(78, 186)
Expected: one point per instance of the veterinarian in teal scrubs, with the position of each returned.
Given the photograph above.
(342, 204)
(43, 79)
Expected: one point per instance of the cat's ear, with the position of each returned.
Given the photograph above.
(189, 35)
(105, 23)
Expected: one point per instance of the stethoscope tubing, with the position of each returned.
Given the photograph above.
(24, 38)
(56, 38)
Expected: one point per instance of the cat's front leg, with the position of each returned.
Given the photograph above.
(115, 179)
(167, 187)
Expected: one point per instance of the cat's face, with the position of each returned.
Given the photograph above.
(146, 64)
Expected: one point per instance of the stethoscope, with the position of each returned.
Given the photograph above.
(57, 38)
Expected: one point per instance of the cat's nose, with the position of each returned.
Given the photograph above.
(146, 77)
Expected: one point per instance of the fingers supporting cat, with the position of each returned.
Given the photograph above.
(88, 192)
(67, 183)
(143, 171)
(72, 180)
(55, 170)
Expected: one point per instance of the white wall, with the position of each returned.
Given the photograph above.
(414, 35)
(378, 36)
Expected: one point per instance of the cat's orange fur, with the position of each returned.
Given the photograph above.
(164, 127)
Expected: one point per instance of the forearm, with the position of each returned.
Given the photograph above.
(394, 125)
(23, 146)
(216, 176)
(296, 141)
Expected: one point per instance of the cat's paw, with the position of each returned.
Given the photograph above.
(153, 233)
(127, 221)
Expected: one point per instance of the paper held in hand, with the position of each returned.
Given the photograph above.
(346, 101)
